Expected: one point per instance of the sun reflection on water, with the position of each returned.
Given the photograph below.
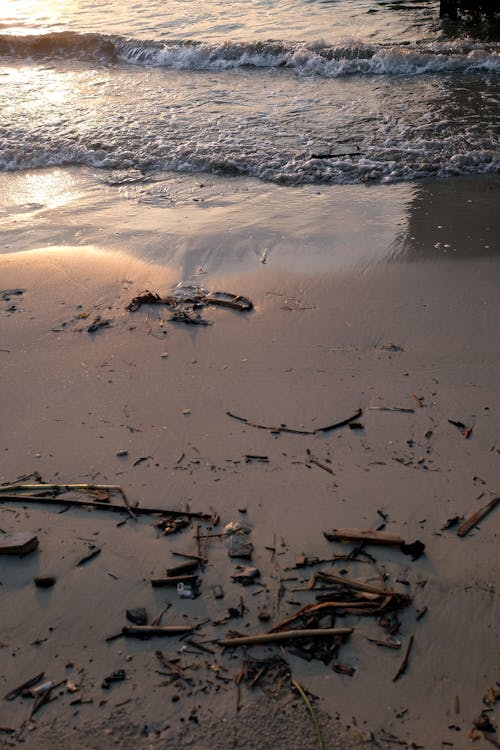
(27, 16)
(26, 192)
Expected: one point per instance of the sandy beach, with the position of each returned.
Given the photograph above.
(380, 298)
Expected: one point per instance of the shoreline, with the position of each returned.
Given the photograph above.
(398, 323)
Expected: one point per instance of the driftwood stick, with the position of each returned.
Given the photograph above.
(146, 631)
(477, 516)
(321, 464)
(190, 556)
(112, 507)
(52, 487)
(284, 428)
(183, 568)
(368, 536)
(359, 585)
(24, 686)
(404, 663)
(352, 608)
(285, 635)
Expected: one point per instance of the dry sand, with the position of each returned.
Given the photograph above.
(368, 297)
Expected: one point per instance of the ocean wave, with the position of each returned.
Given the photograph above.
(383, 164)
(313, 59)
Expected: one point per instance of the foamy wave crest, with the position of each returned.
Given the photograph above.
(380, 164)
(319, 59)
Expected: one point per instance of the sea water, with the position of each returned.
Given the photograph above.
(293, 92)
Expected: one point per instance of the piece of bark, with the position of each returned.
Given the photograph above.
(474, 519)
(146, 631)
(18, 543)
(344, 669)
(369, 536)
(285, 635)
(174, 580)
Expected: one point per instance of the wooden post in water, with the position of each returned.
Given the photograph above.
(448, 9)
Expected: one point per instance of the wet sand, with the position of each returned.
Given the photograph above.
(363, 297)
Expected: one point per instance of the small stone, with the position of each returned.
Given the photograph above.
(218, 592)
(122, 453)
(138, 616)
(239, 546)
(264, 615)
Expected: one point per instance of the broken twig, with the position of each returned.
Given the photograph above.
(404, 663)
(146, 631)
(477, 516)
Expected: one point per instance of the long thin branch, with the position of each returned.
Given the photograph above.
(248, 640)
(138, 510)
(284, 428)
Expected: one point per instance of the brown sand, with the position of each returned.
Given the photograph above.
(355, 307)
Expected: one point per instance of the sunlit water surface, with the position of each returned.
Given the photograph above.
(293, 92)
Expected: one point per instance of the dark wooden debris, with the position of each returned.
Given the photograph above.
(183, 568)
(464, 430)
(346, 669)
(197, 299)
(374, 536)
(24, 686)
(245, 575)
(283, 427)
(98, 323)
(284, 635)
(404, 664)
(18, 543)
(117, 676)
(483, 723)
(48, 498)
(370, 536)
(44, 582)
(89, 557)
(477, 516)
(148, 631)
